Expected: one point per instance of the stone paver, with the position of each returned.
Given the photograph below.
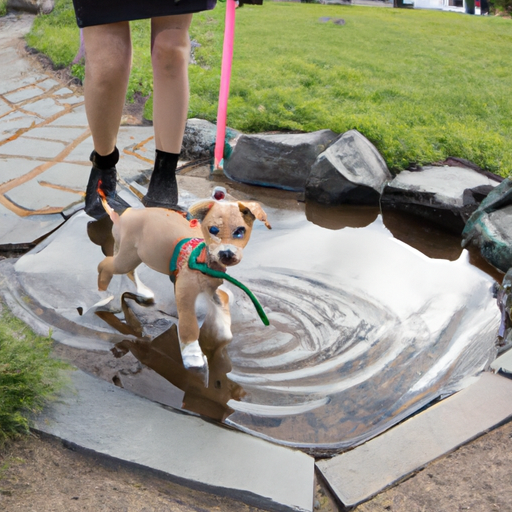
(23, 146)
(55, 133)
(13, 168)
(48, 84)
(68, 176)
(14, 122)
(24, 94)
(44, 132)
(32, 196)
(46, 107)
(16, 230)
(101, 417)
(359, 474)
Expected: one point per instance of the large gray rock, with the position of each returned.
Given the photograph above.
(490, 227)
(282, 160)
(444, 195)
(350, 171)
(34, 6)
(199, 139)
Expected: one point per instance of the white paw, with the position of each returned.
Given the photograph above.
(192, 355)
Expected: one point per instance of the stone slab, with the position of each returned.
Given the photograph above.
(70, 100)
(24, 94)
(82, 152)
(16, 72)
(16, 230)
(4, 107)
(56, 133)
(105, 419)
(63, 91)
(446, 184)
(34, 148)
(12, 168)
(33, 197)
(48, 84)
(46, 107)
(503, 363)
(75, 118)
(15, 121)
(69, 176)
(359, 474)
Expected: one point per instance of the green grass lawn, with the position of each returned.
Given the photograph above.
(28, 375)
(421, 85)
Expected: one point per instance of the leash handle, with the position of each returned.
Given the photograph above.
(225, 76)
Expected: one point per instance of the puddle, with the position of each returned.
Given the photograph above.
(372, 317)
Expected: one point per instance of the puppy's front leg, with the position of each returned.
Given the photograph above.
(186, 292)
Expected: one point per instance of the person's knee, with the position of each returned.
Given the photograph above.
(108, 69)
(170, 53)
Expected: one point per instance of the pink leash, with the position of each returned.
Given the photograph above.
(225, 76)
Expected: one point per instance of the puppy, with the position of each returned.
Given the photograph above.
(151, 236)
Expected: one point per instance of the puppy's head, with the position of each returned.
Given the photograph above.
(227, 227)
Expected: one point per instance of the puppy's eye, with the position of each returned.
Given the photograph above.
(214, 230)
(239, 232)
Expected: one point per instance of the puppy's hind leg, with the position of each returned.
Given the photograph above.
(216, 329)
(115, 265)
(105, 273)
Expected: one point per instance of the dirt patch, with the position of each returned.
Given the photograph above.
(41, 474)
(477, 477)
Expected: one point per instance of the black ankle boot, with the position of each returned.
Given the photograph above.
(163, 189)
(104, 170)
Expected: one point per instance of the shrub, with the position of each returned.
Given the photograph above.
(28, 375)
(504, 6)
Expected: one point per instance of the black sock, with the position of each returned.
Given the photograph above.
(105, 162)
(163, 189)
(166, 162)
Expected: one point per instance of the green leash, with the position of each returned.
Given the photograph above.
(205, 269)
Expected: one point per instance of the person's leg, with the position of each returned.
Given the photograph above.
(107, 69)
(170, 55)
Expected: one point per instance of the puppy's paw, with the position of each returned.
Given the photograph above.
(193, 357)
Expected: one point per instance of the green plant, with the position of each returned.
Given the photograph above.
(29, 376)
(3, 7)
(503, 6)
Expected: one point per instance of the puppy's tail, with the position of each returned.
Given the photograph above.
(114, 217)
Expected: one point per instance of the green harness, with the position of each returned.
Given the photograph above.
(205, 269)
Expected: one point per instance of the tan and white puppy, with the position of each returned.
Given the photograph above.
(150, 235)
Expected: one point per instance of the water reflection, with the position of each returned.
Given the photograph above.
(372, 317)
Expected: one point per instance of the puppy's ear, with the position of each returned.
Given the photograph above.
(200, 209)
(252, 210)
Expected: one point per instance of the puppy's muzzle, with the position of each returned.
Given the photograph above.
(227, 257)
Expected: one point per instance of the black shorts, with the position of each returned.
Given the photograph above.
(100, 12)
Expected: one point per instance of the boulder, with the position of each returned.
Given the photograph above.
(282, 160)
(490, 227)
(444, 195)
(350, 171)
(33, 6)
(199, 139)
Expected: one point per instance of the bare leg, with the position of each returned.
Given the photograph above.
(108, 61)
(170, 55)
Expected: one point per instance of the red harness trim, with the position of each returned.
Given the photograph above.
(187, 246)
